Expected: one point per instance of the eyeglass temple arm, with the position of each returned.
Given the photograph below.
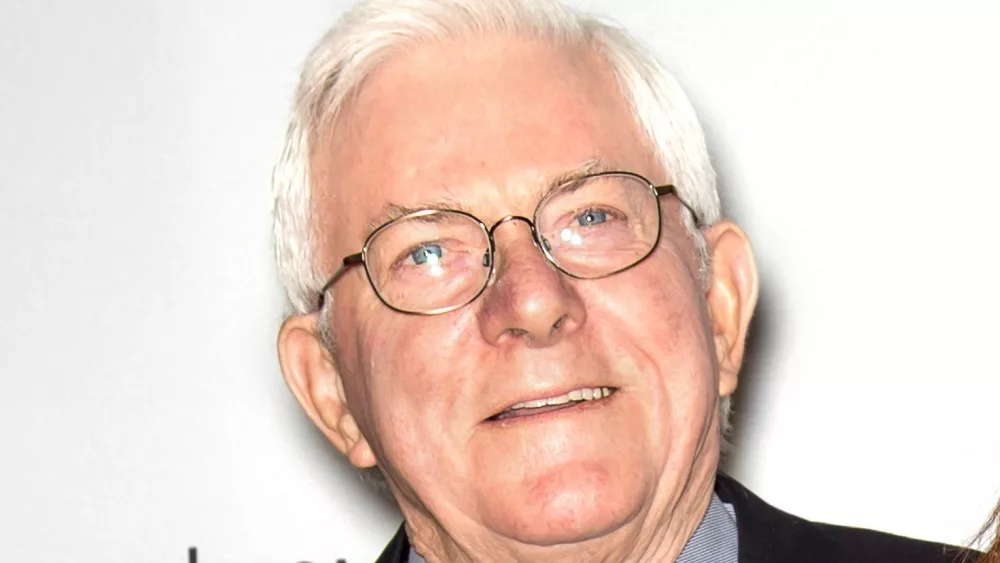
(670, 189)
(348, 263)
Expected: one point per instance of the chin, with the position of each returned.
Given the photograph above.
(568, 505)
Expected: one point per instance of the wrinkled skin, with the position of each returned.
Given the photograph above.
(486, 124)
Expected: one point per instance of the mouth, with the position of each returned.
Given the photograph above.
(572, 399)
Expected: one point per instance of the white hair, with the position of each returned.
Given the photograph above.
(375, 30)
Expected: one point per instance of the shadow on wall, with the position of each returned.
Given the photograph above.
(751, 392)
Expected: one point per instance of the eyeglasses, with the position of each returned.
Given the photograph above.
(433, 261)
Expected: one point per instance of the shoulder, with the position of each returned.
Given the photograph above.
(869, 545)
(769, 535)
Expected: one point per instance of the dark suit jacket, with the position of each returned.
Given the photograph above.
(768, 535)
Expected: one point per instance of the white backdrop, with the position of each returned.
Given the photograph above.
(141, 409)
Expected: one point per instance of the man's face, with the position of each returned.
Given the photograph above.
(488, 124)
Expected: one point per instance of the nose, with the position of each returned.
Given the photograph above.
(530, 300)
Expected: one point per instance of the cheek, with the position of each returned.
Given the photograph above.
(658, 331)
(415, 370)
(656, 306)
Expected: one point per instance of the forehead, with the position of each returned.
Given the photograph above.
(483, 122)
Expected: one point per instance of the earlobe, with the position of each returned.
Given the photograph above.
(315, 382)
(731, 296)
(359, 452)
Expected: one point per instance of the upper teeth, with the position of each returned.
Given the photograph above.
(574, 395)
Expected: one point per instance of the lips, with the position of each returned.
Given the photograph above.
(558, 402)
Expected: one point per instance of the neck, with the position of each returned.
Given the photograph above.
(653, 535)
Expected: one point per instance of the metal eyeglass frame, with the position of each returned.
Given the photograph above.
(360, 258)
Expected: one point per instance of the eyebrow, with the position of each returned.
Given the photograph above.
(593, 165)
(392, 211)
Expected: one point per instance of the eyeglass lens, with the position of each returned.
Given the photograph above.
(589, 228)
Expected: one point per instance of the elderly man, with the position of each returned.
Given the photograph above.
(515, 297)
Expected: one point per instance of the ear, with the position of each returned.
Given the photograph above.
(313, 378)
(731, 296)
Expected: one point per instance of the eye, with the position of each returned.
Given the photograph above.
(426, 253)
(591, 217)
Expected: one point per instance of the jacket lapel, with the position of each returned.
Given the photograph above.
(398, 550)
(768, 535)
